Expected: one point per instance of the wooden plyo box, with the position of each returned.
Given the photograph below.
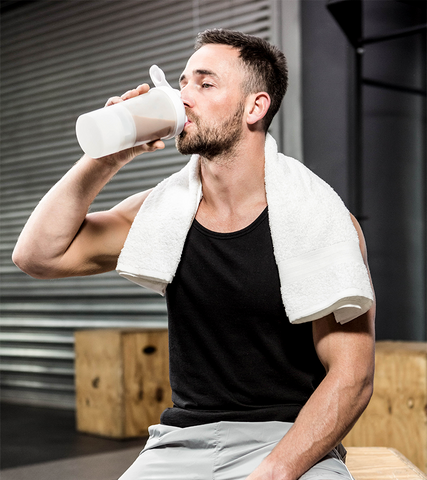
(396, 416)
(122, 381)
(381, 463)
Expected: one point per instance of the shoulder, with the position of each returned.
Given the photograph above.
(362, 243)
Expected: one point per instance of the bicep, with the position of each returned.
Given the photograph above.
(346, 347)
(100, 239)
(96, 246)
(348, 355)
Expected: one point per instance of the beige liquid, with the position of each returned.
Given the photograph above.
(148, 129)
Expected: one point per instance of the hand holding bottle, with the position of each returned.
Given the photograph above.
(138, 117)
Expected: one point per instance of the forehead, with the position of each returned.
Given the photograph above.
(222, 60)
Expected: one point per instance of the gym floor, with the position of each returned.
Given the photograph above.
(34, 435)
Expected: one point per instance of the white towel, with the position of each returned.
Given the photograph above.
(316, 246)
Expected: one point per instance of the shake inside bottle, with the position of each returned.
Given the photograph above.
(157, 114)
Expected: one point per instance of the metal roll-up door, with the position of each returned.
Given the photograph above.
(61, 59)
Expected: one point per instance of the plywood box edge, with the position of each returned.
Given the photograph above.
(407, 348)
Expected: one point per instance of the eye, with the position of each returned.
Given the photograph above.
(206, 85)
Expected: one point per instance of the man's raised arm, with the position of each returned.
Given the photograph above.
(60, 238)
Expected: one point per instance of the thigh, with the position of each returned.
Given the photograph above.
(174, 454)
(168, 464)
(242, 447)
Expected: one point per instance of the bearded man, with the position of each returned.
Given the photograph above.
(255, 396)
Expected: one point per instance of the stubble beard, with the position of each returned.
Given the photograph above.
(212, 141)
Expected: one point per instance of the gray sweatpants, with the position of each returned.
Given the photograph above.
(219, 451)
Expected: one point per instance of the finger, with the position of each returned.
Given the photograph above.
(151, 147)
(139, 90)
(129, 94)
(113, 100)
(143, 88)
(155, 145)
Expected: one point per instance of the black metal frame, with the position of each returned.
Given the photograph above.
(344, 12)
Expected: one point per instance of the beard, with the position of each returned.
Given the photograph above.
(214, 140)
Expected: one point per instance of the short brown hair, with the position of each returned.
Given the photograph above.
(265, 64)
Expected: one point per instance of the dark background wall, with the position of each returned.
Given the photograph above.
(60, 59)
(393, 163)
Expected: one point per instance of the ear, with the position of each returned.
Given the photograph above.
(258, 105)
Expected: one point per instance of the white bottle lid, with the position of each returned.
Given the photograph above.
(158, 78)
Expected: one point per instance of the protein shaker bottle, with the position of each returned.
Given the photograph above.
(157, 114)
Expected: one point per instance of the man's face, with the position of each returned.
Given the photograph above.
(211, 89)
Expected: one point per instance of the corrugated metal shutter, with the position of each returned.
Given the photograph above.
(60, 59)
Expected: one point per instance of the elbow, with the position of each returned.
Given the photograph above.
(364, 392)
(356, 388)
(367, 391)
(28, 264)
(364, 398)
(20, 259)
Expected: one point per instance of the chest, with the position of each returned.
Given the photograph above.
(235, 272)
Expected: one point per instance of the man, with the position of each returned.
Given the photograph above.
(255, 397)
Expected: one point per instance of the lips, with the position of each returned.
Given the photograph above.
(190, 118)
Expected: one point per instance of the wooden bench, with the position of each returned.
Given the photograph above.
(396, 417)
(381, 463)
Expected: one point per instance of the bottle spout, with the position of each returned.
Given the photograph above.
(158, 77)
(159, 80)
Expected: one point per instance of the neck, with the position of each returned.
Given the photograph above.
(233, 187)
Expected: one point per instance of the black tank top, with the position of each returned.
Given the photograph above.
(234, 356)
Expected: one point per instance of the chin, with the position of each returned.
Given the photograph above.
(182, 144)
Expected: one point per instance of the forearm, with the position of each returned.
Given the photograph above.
(58, 217)
(321, 425)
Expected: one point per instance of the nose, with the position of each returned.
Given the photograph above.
(186, 97)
